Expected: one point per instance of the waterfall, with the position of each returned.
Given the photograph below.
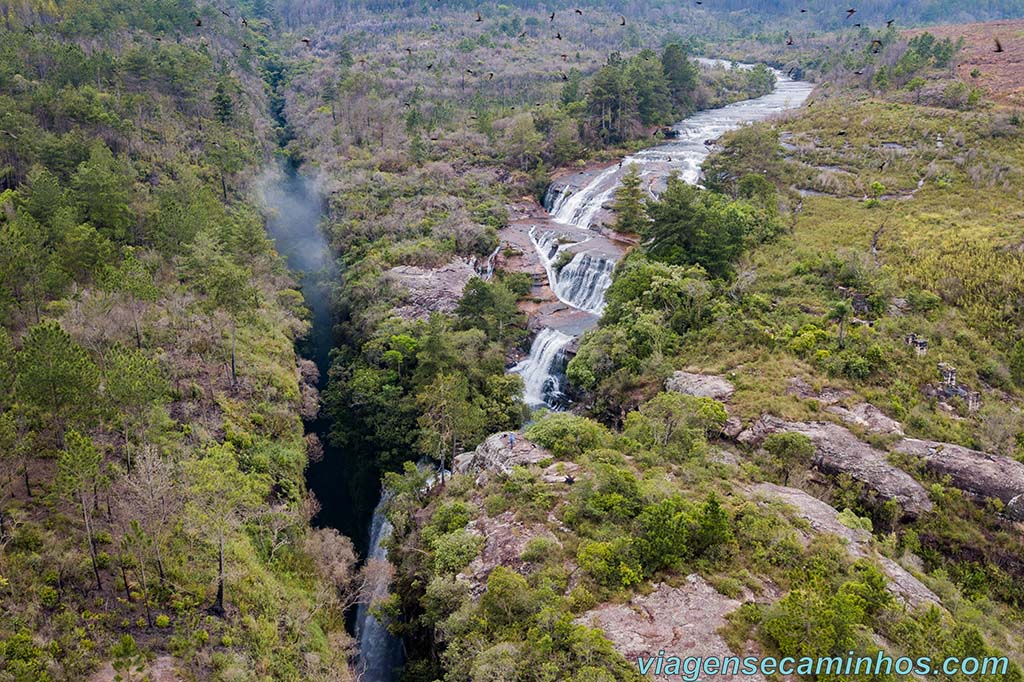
(543, 370)
(580, 207)
(380, 653)
(488, 270)
(584, 280)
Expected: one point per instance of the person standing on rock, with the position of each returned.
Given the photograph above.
(511, 440)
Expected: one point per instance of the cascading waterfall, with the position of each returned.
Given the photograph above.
(488, 270)
(380, 654)
(582, 282)
(542, 371)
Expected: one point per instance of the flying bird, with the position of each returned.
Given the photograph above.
(558, 35)
(523, 34)
(246, 46)
(564, 57)
(789, 40)
(224, 12)
(490, 76)
(199, 22)
(478, 17)
(569, 480)
(552, 17)
(850, 12)
(430, 66)
(470, 72)
(564, 77)
(623, 20)
(889, 23)
(409, 50)
(306, 41)
(999, 45)
(803, 11)
(579, 11)
(244, 22)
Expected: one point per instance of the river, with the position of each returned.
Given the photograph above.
(348, 491)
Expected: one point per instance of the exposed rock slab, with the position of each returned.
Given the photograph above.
(497, 454)
(839, 451)
(868, 417)
(827, 396)
(700, 385)
(976, 472)
(682, 621)
(823, 518)
(431, 290)
(504, 542)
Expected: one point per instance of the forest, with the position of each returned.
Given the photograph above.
(794, 423)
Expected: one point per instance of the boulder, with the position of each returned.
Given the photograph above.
(839, 451)
(868, 417)
(827, 396)
(496, 455)
(973, 471)
(681, 621)
(823, 518)
(700, 385)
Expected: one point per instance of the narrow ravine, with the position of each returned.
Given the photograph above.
(575, 250)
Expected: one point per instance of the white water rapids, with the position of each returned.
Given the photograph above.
(582, 281)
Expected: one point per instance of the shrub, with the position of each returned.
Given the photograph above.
(163, 621)
(567, 435)
(611, 564)
(454, 551)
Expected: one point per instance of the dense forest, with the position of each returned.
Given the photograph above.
(845, 277)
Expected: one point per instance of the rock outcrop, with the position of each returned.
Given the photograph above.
(504, 542)
(700, 385)
(868, 417)
(823, 518)
(976, 472)
(497, 454)
(839, 451)
(682, 621)
(431, 290)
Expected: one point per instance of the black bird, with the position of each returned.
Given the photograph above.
(490, 76)
(850, 12)
(569, 480)
(856, 25)
(699, 2)
(478, 17)
(803, 11)
(552, 17)
(999, 45)
(523, 34)
(889, 23)
(562, 74)
(470, 72)
(306, 41)
(564, 57)
(224, 12)
(430, 66)
(558, 35)
(199, 22)
(246, 46)
(579, 11)
(244, 22)
(858, 73)
(789, 40)
(791, 72)
(623, 22)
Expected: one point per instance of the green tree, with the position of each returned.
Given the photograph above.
(630, 202)
(102, 190)
(789, 450)
(57, 380)
(654, 99)
(223, 105)
(682, 77)
(221, 498)
(78, 473)
(135, 280)
(841, 313)
(449, 419)
(489, 306)
(134, 386)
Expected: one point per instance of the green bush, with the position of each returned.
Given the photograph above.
(567, 435)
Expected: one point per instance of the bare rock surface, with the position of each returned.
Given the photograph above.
(839, 451)
(827, 396)
(682, 621)
(823, 518)
(504, 542)
(700, 385)
(431, 289)
(497, 454)
(976, 472)
(161, 669)
(868, 417)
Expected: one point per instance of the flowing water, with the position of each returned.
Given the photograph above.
(346, 488)
(581, 279)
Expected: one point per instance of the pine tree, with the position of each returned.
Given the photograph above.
(78, 472)
(223, 105)
(630, 203)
